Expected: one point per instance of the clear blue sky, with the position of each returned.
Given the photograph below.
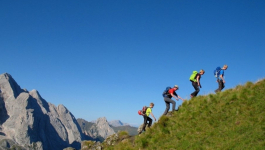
(103, 58)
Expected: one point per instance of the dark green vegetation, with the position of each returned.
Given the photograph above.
(232, 119)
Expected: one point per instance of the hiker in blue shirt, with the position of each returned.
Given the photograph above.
(220, 79)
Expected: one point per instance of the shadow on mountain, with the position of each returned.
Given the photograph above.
(42, 129)
(15, 87)
(3, 134)
(88, 138)
(3, 113)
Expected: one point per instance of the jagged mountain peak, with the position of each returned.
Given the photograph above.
(118, 123)
(8, 86)
(6, 75)
(35, 94)
(101, 120)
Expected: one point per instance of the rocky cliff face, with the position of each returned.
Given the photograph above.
(103, 128)
(26, 119)
(99, 130)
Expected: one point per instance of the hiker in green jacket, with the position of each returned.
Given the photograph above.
(195, 81)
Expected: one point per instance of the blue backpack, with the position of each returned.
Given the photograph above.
(165, 93)
(216, 72)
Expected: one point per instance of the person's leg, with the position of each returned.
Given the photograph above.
(173, 105)
(145, 123)
(222, 85)
(149, 121)
(167, 108)
(219, 86)
(168, 100)
(197, 89)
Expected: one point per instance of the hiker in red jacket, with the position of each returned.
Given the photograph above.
(167, 98)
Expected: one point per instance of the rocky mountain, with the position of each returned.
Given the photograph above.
(99, 130)
(117, 123)
(30, 122)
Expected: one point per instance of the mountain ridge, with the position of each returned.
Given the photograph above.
(29, 121)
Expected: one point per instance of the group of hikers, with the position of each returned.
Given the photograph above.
(171, 92)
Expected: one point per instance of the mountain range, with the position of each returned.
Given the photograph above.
(101, 128)
(28, 121)
(117, 123)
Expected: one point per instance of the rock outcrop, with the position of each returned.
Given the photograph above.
(27, 120)
(103, 128)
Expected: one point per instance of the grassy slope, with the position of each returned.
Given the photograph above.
(232, 119)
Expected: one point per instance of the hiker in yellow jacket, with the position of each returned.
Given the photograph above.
(147, 118)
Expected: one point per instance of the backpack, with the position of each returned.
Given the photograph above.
(165, 92)
(143, 111)
(193, 75)
(216, 72)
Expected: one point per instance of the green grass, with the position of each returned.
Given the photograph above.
(232, 119)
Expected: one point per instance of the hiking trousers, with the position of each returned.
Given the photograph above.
(146, 118)
(168, 101)
(196, 87)
(221, 85)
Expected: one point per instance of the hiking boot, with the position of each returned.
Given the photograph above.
(216, 91)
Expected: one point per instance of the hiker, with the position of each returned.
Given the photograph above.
(195, 81)
(147, 118)
(167, 98)
(220, 78)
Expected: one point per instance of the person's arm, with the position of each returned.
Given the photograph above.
(221, 76)
(198, 80)
(181, 98)
(153, 115)
(174, 96)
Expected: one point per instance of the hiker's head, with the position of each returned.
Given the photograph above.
(176, 87)
(225, 67)
(202, 72)
(152, 105)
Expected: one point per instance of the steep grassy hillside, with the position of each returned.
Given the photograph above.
(232, 119)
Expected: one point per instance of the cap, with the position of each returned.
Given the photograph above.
(176, 86)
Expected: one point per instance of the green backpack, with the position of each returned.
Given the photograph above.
(193, 75)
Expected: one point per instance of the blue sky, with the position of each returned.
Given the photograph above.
(103, 58)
